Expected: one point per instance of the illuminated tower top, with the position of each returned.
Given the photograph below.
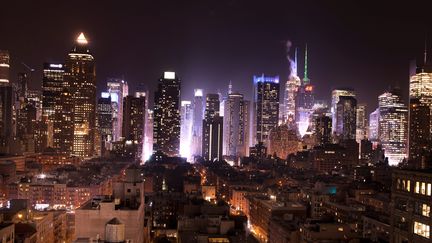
(81, 39)
(305, 77)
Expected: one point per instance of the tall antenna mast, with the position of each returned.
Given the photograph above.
(305, 76)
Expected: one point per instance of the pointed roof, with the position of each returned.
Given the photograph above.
(81, 39)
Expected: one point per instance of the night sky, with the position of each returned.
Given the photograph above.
(358, 44)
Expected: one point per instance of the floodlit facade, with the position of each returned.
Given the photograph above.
(186, 114)
(80, 73)
(373, 125)
(166, 125)
(198, 116)
(393, 126)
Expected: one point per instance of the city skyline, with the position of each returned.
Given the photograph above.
(228, 121)
(199, 59)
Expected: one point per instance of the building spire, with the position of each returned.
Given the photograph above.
(305, 77)
(230, 87)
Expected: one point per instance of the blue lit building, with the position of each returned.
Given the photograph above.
(266, 106)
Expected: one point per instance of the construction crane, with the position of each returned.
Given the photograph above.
(27, 66)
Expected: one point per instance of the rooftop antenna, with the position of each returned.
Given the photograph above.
(305, 77)
(425, 51)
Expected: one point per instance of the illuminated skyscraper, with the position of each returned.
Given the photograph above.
(4, 67)
(361, 131)
(198, 116)
(335, 100)
(393, 125)
(104, 122)
(57, 107)
(304, 101)
(186, 114)
(148, 136)
(212, 129)
(323, 125)
(236, 125)
(134, 109)
(346, 118)
(266, 107)
(291, 88)
(166, 125)
(419, 141)
(374, 125)
(80, 73)
(117, 89)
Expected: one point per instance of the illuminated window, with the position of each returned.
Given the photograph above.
(423, 188)
(422, 229)
(429, 189)
(425, 210)
(408, 187)
(417, 187)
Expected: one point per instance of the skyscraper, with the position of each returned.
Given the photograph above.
(212, 129)
(335, 100)
(198, 116)
(134, 109)
(166, 125)
(57, 107)
(323, 125)
(6, 100)
(117, 89)
(6, 129)
(236, 125)
(361, 124)
(304, 101)
(374, 125)
(393, 125)
(4, 67)
(104, 122)
(346, 117)
(419, 141)
(291, 88)
(80, 73)
(186, 114)
(266, 107)
(148, 136)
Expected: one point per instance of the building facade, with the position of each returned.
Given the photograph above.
(266, 107)
(236, 125)
(80, 73)
(166, 125)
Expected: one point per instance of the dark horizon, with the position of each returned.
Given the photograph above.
(349, 45)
